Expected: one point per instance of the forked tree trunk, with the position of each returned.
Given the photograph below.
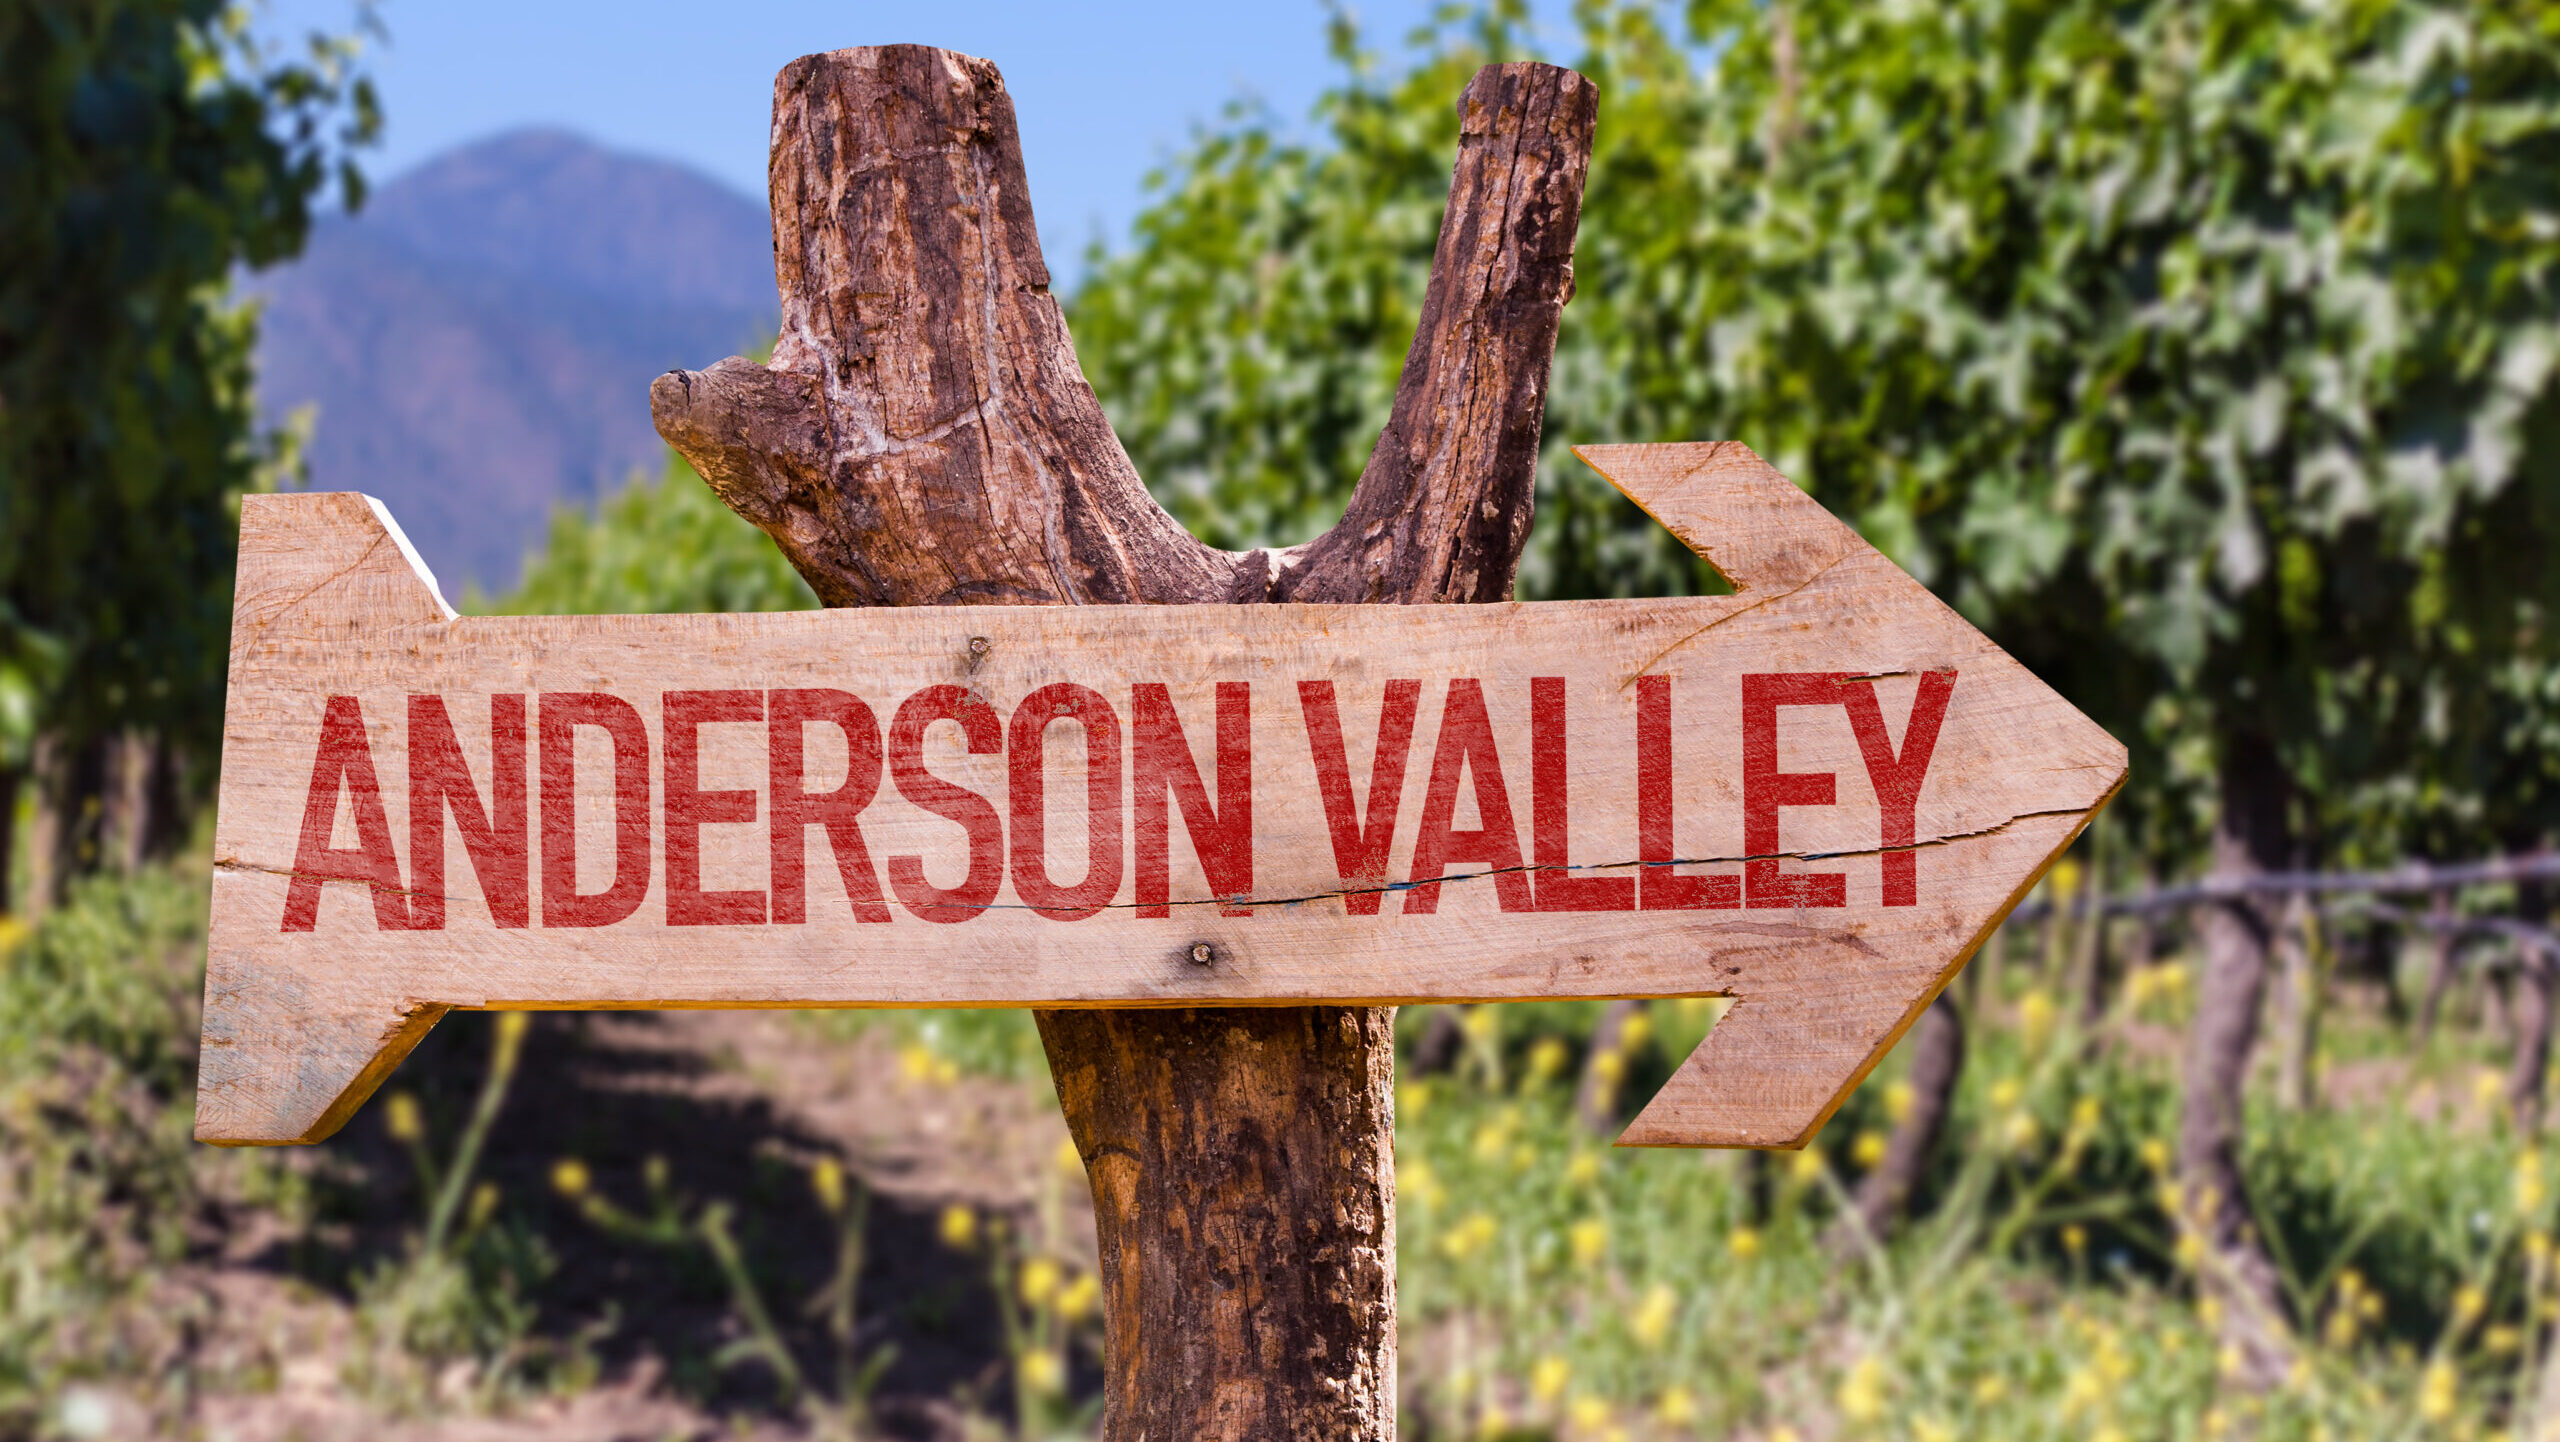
(2252, 837)
(925, 436)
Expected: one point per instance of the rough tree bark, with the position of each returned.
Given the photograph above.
(924, 435)
(2253, 836)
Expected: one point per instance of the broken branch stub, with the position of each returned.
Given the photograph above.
(923, 435)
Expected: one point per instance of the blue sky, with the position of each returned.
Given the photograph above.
(1104, 93)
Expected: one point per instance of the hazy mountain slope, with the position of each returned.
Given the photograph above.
(480, 340)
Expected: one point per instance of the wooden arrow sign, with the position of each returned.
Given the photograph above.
(1815, 796)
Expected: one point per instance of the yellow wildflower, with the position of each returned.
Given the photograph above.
(2064, 881)
(2036, 1013)
(512, 1026)
(2154, 1152)
(1589, 1239)
(1494, 1423)
(2468, 1303)
(2019, 1131)
(2173, 1199)
(2500, 1340)
(1636, 1030)
(1678, 1407)
(1041, 1370)
(1784, 1433)
(1039, 1281)
(1523, 1157)
(569, 1178)
(1583, 1170)
(1930, 1429)
(1589, 1413)
(2085, 1115)
(1862, 1391)
(1421, 1183)
(402, 1119)
(2529, 1190)
(1548, 1378)
(826, 1179)
(2075, 1238)
(1806, 1165)
(1066, 1158)
(1468, 1237)
(915, 1061)
(1897, 1101)
(1547, 1057)
(484, 1197)
(1609, 1067)
(1868, 1150)
(2487, 1087)
(959, 1226)
(2435, 1391)
(1990, 1390)
(1078, 1298)
(1412, 1097)
(1652, 1320)
(2005, 1093)
(1480, 1023)
(1743, 1242)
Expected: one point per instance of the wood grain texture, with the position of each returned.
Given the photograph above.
(924, 436)
(328, 606)
(923, 439)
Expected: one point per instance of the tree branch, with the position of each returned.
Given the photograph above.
(924, 435)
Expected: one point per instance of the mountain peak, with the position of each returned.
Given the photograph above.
(480, 339)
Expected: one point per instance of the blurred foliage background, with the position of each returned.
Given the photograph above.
(2204, 352)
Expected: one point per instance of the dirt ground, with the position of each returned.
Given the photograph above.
(738, 1106)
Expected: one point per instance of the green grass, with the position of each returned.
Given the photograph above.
(1550, 1285)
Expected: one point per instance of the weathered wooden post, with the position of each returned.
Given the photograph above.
(1815, 796)
(925, 436)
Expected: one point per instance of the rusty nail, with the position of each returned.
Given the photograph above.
(1202, 953)
(977, 645)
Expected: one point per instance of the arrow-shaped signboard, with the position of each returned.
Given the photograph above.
(1815, 796)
